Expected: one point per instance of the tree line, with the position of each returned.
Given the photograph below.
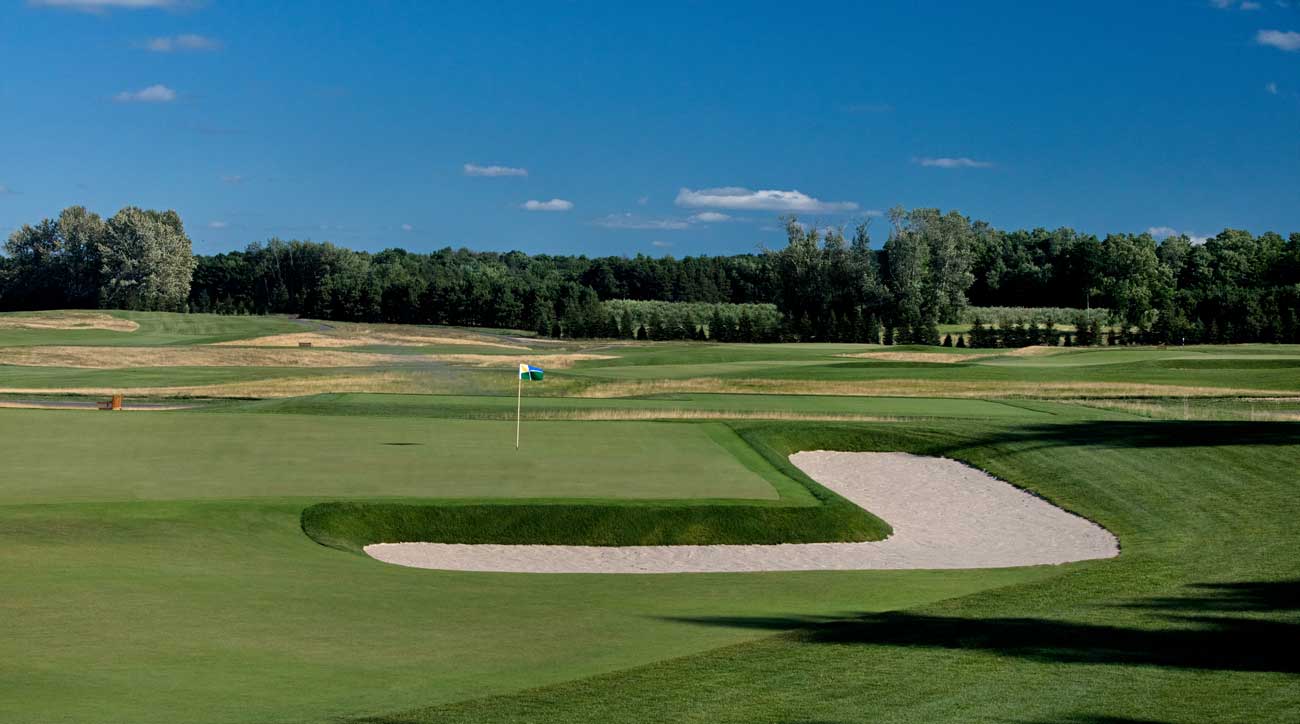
(832, 284)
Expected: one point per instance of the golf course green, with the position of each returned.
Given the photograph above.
(204, 564)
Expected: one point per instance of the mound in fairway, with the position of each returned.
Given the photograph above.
(944, 515)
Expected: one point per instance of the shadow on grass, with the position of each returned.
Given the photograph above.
(1207, 640)
(1087, 719)
(1149, 434)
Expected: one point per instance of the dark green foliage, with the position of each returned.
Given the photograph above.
(1234, 288)
(961, 342)
(947, 340)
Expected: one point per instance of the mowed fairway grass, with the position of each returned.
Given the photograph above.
(155, 567)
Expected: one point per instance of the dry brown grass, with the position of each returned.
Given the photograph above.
(361, 338)
(219, 356)
(281, 387)
(67, 320)
(913, 388)
(5, 404)
(1037, 350)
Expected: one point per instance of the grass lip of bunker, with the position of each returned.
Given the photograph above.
(945, 515)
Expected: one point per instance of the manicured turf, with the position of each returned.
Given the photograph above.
(1197, 621)
(155, 566)
(64, 456)
(473, 406)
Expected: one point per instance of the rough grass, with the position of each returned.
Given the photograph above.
(912, 388)
(239, 356)
(364, 337)
(66, 320)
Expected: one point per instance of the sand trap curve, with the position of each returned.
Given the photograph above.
(944, 514)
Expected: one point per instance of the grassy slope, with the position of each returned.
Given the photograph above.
(156, 328)
(1197, 621)
(216, 610)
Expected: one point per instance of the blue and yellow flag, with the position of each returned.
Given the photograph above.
(529, 372)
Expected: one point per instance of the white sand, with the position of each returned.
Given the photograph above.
(944, 514)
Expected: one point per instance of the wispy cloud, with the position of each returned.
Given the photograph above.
(6, 191)
(1239, 4)
(407, 227)
(1164, 232)
(217, 224)
(102, 6)
(951, 162)
(1287, 40)
(737, 198)
(1270, 88)
(233, 179)
(473, 169)
(153, 94)
(661, 244)
(643, 201)
(184, 42)
(552, 205)
(632, 221)
(710, 217)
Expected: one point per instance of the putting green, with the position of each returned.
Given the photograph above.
(63, 456)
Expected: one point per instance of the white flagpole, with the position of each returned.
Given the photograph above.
(519, 408)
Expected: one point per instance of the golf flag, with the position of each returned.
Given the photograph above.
(529, 372)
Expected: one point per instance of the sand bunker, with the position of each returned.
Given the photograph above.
(944, 514)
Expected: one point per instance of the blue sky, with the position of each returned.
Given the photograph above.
(679, 128)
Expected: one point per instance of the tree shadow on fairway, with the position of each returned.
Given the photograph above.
(1086, 719)
(1152, 434)
(401, 444)
(1205, 639)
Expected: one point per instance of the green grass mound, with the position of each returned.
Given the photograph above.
(792, 519)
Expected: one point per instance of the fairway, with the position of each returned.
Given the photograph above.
(192, 456)
(159, 563)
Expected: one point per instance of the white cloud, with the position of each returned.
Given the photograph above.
(632, 221)
(100, 6)
(407, 227)
(1271, 88)
(233, 179)
(473, 169)
(1288, 40)
(1198, 240)
(217, 224)
(743, 199)
(643, 201)
(951, 162)
(710, 217)
(153, 94)
(1230, 4)
(661, 244)
(1161, 232)
(186, 41)
(552, 205)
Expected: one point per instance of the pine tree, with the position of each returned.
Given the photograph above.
(961, 342)
(641, 333)
(947, 340)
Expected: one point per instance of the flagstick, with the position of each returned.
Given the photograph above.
(519, 408)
